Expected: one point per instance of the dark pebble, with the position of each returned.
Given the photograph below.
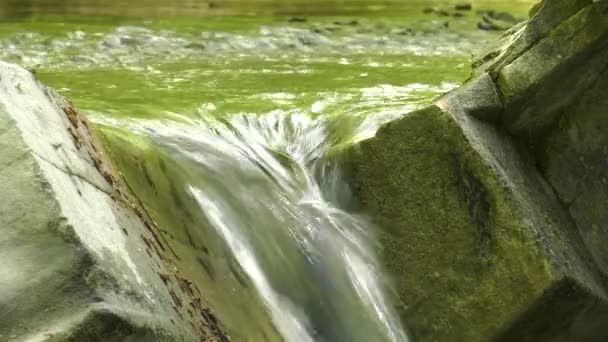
(486, 26)
(464, 7)
(196, 46)
(347, 23)
(297, 20)
(505, 17)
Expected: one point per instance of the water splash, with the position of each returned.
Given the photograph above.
(265, 187)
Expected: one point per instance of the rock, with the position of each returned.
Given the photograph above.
(487, 27)
(82, 259)
(558, 109)
(522, 36)
(346, 23)
(455, 198)
(497, 21)
(494, 200)
(532, 83)
(504, 16)
(443, 13)
(297, 20)
(196, 46)
(489, 23)
(479, 98)
(573, 157)
(465, 6)
(501, 16)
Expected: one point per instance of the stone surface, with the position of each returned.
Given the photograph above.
(479, 98)
(472, 233)
(555, 103)
(533, 84)
(81, 261)
(553, 78)
(573, 156)
(494, 201)
(544, 18)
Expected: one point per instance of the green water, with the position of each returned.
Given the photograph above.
(220, 65)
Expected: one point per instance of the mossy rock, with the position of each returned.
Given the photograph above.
(544, 18)
(573, 53)
(573, 157)
(555, 106)
(472, 234)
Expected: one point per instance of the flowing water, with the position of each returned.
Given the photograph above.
(268, 193)
(251, 107)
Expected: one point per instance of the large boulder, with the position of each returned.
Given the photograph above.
(494, 200)
(81, 258)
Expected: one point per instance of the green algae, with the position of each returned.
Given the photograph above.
(466, 262)
(156, 86)
(234, 89)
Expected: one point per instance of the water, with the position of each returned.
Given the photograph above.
(250, 109)
(273, 200)
(281, 207)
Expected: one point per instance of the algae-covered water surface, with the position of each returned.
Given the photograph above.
(157, 61)
(220, 116)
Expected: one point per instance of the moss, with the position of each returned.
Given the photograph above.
(545, 17)
(534, 9)
(465, 262)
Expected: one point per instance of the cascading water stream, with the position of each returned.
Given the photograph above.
(266, 189)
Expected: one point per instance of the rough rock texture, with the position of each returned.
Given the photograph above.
(494, 200)
(81, 260)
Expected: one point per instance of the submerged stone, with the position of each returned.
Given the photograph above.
(464, 6)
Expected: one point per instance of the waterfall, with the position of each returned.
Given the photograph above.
(265, 187)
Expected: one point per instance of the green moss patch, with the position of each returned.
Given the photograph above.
(467, 262)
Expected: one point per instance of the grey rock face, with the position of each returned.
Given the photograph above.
(81, 261)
